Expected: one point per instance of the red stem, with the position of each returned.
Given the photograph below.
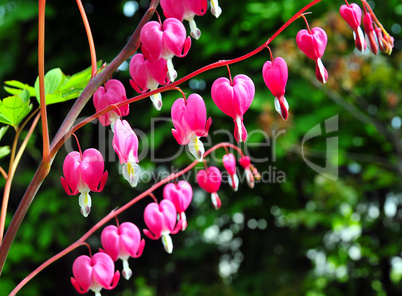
(44, 167)
(41, 70)
(114, 214)
(90, 38)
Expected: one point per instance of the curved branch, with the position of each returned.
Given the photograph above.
(114, 214)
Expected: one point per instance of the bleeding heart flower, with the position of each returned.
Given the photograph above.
(113, 93)
(161, 221)
(84, 173)
(187, 10)
(122, 243)
(385, 41)
(229, 162)
(125, 143)
(371, 36)
(234, 98)
(180, 195)
(210, 180)
(245, 163)
(352, 14)
(275, 75)
(165, 42)
(148, 75)
(190, 123)
(94, 273)
(312, 43)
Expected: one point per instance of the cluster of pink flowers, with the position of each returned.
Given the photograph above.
(376, 36)
(160, 42)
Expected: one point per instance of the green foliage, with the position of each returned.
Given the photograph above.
(58, 87)
(14, 109)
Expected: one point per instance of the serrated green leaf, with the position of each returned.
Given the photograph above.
(3, 130)
(14, 87)
(4, 151)
(53, 81)
(14, 109)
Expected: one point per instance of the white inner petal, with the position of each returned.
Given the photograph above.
(167, 243)
(196, 148)
(172, 74)
(215, 9)
(85, 203)
(322, 70)
(131, 172)
(195, 32)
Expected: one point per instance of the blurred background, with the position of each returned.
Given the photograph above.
(297, 232)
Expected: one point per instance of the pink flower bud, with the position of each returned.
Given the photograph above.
(113, 93)
(210, 180)
(165, 42)
(180, 195)
(161, 221)
(94, 273)
(245, 163)
(234, 99)
(276, 76)
(190, 123)
(125, 143)
(229, 162)
(352, 14)
(385, 41)
(122, 243)
(313, 44)
(148, 75)
(84, 173)
(370, 33)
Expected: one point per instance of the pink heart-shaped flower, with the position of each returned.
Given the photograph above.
(210, 179)
(312, 44)
(179, 194)
(352, 14)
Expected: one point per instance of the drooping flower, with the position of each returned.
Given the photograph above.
(371, 36)
(113, 93)
(94, 273)
(190, 123)
(245, 163)
(210, 180)
(161, 221)
(84, 173)
(122, 243)
(275, 75)
(180, 195)
(234, 98)
(125, 143)
(229, 162)
(146, 75)
(352, 14)
(165, 42)
(312, 43)
(385, 41)
(187, 10)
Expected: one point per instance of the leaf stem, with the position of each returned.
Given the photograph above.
(41, 70)
(90, 38)
(11, 173)
(44, 167)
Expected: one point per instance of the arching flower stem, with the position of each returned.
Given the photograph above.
(115, 213)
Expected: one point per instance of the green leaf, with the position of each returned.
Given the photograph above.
(3, 130)
(4, 151)
(14, 87)
(14, 109)
(53, 80)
